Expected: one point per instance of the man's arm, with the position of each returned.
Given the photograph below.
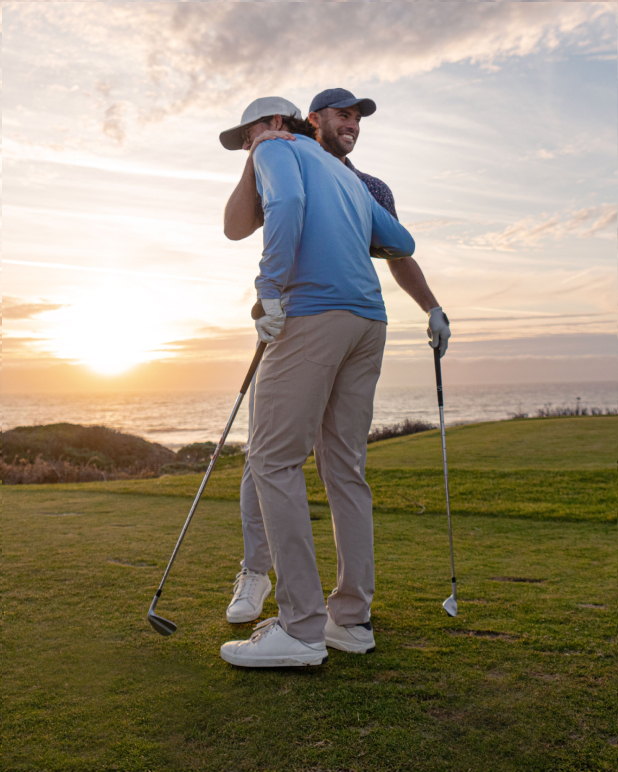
(242, 214)
(408, 275)
(281, 188)
(388, 235)
(243, 211)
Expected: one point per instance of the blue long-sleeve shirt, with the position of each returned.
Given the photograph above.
(319, 223)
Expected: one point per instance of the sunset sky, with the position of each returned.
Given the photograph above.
(495, 129)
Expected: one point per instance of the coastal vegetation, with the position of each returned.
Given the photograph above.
(65, 453)
(522, 679)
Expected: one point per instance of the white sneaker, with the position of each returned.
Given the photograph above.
(271, 646)
(250, 591)
(357, 639)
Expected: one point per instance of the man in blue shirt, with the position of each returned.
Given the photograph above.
(317, 382)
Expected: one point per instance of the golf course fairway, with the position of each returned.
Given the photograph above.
(523, 679)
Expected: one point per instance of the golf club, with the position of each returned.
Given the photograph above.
(165, 626)
(450, 604)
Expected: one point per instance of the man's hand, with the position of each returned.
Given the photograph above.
(271, 324)
(438, 329)
(270, 135)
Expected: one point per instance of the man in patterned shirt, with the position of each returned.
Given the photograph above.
(335, 115)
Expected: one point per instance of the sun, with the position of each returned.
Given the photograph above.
(111, 330)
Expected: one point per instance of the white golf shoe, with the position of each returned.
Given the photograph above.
(357, 639)
(271, 646)
(250, 591)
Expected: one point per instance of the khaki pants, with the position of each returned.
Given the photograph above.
(315, 387)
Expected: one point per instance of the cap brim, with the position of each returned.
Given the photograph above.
(366, 106)
(231, 139)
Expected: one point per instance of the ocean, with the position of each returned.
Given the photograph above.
(177, 419)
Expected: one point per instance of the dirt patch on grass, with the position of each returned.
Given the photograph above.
(128, 564)
(516, 579)
(61, 514)
(488, 634)
(592, 605)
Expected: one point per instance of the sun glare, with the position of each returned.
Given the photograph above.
(111, 330)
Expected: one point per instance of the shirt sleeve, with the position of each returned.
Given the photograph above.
(387, 200)
(280, 186)
(380, 191)
(388, 236)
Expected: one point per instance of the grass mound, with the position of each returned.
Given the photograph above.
(96, 446)
(70, 453)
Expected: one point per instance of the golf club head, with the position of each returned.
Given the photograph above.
(161, 625)
(450, 606)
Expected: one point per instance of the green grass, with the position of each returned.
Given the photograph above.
(562, 468)
(584, 442)
(523, 680)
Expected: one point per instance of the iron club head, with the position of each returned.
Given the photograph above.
(161, 625)
(450, 606)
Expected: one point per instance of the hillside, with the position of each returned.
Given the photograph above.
(581, 442)
(66, 451)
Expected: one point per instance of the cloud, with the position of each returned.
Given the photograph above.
(12, 308)
(114, 125)
(604, 222)
(529, 232)
(211, 56)
(55, 153)
(22, 347)
(426, 226)
(217, 343)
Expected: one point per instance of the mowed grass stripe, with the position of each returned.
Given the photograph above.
(535, 494)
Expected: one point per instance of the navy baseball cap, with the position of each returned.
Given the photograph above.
(340, 97)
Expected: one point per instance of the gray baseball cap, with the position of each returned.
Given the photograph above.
(231, 139)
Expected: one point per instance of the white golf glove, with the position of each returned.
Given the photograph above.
(438, 330)
(271, 324)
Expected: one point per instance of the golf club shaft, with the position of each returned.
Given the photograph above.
(243, 390)
(436, 356)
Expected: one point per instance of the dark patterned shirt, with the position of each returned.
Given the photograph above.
(378, 189)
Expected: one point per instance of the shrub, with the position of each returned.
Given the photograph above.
(201, 452)
(83, 446)
(22, 472)
(549, 411)
(399, 430)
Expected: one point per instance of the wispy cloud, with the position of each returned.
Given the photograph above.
(115, 271)
(579, 146)
(427, 226)
(585, 223)
(55, 153)
(14, 308)
(210, 55)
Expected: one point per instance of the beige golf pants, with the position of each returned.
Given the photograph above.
(315, 387)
